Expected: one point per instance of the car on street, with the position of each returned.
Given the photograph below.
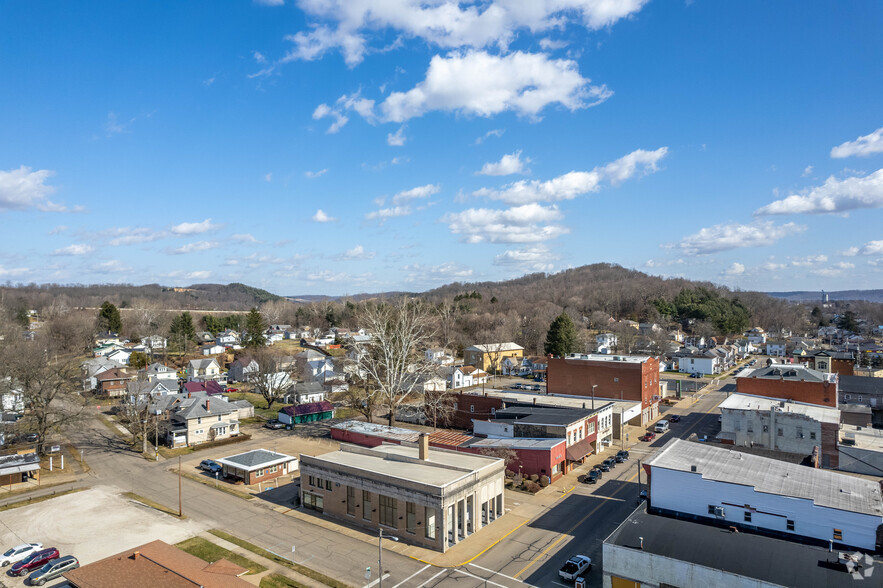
(624, 454)
(53, 569)
(602, 466)
(592, 477)
(210, 466)
(18, 553)
(648, 437)
(274, 424)
(232, 389)
(642, 495)
(537, 388)
(618, 458)
(695, 375)
(574, 567)
(611, 462)
(34, 561)
(675, 418)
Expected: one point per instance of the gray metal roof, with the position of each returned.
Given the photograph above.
(822, 414)
(860, 385)
(256, 459)
(771, 476)
(790, 372)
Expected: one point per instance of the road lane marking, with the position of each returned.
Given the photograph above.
(486, 582)
(418, 572)
(495, 573)
(377, 581)
(433, 578)
(570, 530)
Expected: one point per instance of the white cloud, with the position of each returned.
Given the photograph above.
(416, 193)
(195, 247)
(321, 217)
(734, 236)
(385, 213)
(132, 235)
(807, 171)
(114, 266)
(809, 261)
(259, 57)
(345, 24)
(75, 249)
(862, 147)
(834, 196)
(10, 272)
(195, 228)
(268, 177)
(509, 164)
(828, 272)
(357, 252)
(653, 263)
(57, 230)
(536, 258)
(315, 174)
(492, 133)
(398, 139)
(478, 84)
(244, 238)
(577, 183)
(869, 248)
(22, 188)
(270, 2)
(521, 224)
(548, 44)
(445, 272)
(736, 269)
(773, 266)
(209, 81)
(327, 276)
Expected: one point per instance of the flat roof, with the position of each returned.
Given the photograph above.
(611, 358)
(378, 430)
(777, 561)
(789, 371)
(863, 437)
(552, 400)
(823, 414)
(518, 443)
(541, 415)
(440, 469)
(771, 476)
(255, 459)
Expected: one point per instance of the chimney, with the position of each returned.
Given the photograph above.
(424, 446)
(136, 555)
(188, 395)
(207, 406)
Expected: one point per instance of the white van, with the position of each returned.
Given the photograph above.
(661, 427)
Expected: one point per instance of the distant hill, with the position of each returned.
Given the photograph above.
(816, 296)
(307, 298)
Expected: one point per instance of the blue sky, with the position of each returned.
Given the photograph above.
(343, 146)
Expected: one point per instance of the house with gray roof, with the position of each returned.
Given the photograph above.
(258, 465)
(201, 370)
(196, 417)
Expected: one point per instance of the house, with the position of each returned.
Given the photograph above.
(838, 362)
(119, 356)
(756, 336)
(157, 564)
(107, 338)
(538, 366)
(12, 398)
(464, 376)
(258, 465)
(113, 382)
(439, 357)
(154, 342)
(242, 368)
(212, 349)
(776, 348)
(305, 413)
(196, 418)
(490, 355)
(228, 338)
(428, 497)
(779, 425)
(305, 393)
(141, 390)
(93, 367)
(525, 366)
(692, 360)
(159, 371)
(272, 337)
(204, 337)
(18, 469)
(606, 343)
(763, 495)
(201, 370)
(312, 365)
(790, 382)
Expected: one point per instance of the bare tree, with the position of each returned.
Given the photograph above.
(438, 405)
(446, 314)
(136, 415)
(274, 377)
(393, 360)
(361, 400)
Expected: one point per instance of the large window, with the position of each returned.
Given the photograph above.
(350, 501)
(313, 501)
(387, 511)
(366, 505)
(430, 522)
(411, 517)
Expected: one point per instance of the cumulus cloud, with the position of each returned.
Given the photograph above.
(476, 83)
(131, 235)
(492, 133)
(385, 213)
(444, 272)
(834, 196)
(536, 258)
(195, 228)
(321, 217)
(11, 272)
(23, 188)
(195, 247)
(315, 174)
(736, 269)
(396, 139)
(861, 147)
(809, 260)
(114, 266)
(357, 252)
(509, 164)
(725, 237)
(577, 183)
(75, 249)
(528, 223)
(869, 248)
(244, 238)
(807, 171)
(346, 25)
(416, 193)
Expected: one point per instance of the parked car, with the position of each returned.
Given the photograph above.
(209, 465)
(603, 466)
(618, 458)
(675, 418)
(591, 477)
(34, 561)
(611, 462)
(274, 424)
(537, 388)
(574, 567)
(232, 389)
(695, 375)
(649, 437)
(53, 569)
(624, 454)
(18, 553)
(597, 470)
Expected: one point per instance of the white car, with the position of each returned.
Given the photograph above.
(18, 553)
(574, 567)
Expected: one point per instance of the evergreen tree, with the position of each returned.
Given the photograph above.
(253, 336)
(109, 318)
(182, 331)
(138, 360)
(847, 322)
(561, 338)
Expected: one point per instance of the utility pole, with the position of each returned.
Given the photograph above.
(156, 437)
(180, 504)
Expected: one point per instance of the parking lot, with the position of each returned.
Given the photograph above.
(91, 525)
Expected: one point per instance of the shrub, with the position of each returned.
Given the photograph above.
(532, 487)
(534, 478)
(544, 481)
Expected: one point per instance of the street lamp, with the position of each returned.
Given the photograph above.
(380, 555)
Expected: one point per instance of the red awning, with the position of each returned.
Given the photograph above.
(578, 450)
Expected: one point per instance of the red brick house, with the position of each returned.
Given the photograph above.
(113, 382)
(841, 363)
(258, 465)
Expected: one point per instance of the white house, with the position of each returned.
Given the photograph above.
(154, 342)
(466, 375)
(757, 336)
(119, 356)
(227, 338)
(775, 348)
(439, 357)
(693, 361)
(157, 371)
(202, 370)
(606, 342)
(212, 349)
(768, 495)
(273, 336)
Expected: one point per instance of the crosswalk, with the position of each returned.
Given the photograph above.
(467, 576)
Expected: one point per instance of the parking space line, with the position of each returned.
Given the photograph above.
(496, 573)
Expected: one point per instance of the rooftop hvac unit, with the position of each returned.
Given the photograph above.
(719, 511)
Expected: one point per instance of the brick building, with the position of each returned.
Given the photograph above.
(790, 382)
(839, 362)
(618, 377)
(258, 465)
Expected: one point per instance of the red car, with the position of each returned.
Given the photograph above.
(649, 437)
(34, 561)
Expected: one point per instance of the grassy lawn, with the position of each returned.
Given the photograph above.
(208, 551)
(260, 405)
(308, 572)
(277, 581)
